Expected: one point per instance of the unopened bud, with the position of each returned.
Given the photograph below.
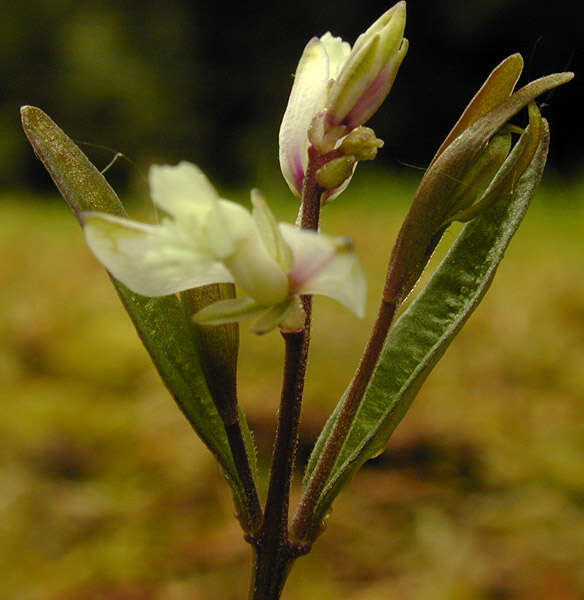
(361, 143)
(474, 155)
(369, 73)
(337, 89)
(335, 172)
(479, 176)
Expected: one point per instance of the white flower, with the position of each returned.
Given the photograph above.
(211, 240)
(337, 89)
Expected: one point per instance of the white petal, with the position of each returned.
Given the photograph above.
(352, 83)
(308, 97)
(152, 260)
(257, 272)
(343, 280)
(368, 74)
(182, 189)
(185, 192)
(397, 11)
(326, 265)
(225, 226)
(338, 53)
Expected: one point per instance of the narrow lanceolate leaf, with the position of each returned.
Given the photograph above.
(425, 330)
(160, 322)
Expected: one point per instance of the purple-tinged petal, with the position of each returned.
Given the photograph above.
(375, 92)
(308, 97)
(326, 265)
(368, 74)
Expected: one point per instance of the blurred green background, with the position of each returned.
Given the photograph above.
(105, 493)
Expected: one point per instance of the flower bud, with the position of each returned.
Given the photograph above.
(337, 89)
(479, 176)
(367, 76)
(361, 143)
(335, 172)
(472, 169)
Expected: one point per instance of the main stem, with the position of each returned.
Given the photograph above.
(274, 554)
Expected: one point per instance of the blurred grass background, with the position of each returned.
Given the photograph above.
(107, 494)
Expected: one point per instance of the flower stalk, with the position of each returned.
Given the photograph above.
(274, 550)
(274, 553)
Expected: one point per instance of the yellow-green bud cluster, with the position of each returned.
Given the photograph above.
(361, 143)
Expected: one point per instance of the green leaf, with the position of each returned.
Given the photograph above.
(161, 322)
(425, 330)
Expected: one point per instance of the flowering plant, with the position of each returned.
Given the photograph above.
(178, 278)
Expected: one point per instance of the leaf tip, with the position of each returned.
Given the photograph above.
(516, 58)
(27, 113)
(568, 76)
(34, 123)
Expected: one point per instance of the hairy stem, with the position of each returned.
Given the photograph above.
(251, 520)
(304, 529)
(274, 554)
(276, 511)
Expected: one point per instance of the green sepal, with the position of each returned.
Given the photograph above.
(335, 172)
(228, 311)
(161, 322)
(480, 175)
(511, 169)
(218, 350)
(424, 331)
(273, 316)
